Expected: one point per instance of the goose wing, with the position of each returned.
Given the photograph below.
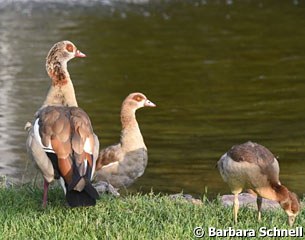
(66, 135)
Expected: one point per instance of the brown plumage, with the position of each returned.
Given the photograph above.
(251, 165)
(121, 164)
(61, 140)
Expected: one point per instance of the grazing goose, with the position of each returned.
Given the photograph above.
(61, 140)
(251, 165)
(121, 164)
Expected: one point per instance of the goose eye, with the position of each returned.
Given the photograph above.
(69, 47)
(138, 98)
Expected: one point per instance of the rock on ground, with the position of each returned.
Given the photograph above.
(249, 200)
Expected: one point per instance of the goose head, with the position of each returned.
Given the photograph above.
(58, 56)
(291, 205)
(63, 52)
(137, 100)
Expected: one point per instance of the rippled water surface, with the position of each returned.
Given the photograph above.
(221, 73)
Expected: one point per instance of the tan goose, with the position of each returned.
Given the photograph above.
(61, 141)
(121, 164)
(251, 165)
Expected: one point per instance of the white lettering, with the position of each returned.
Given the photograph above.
(262, 232)
(212, 231)
(277, 232)
(231, 232)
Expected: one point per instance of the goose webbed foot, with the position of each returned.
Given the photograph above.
(105, 187)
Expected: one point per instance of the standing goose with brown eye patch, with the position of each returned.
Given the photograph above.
(121, 164)
(61, 140)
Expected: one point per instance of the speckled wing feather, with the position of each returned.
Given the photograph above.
(252, 153)
(83, 141)
(55, 130)
(108, 155)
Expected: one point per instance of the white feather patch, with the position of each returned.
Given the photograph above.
(62, 183)
(38, 138)
(86, 165)
(87, 146)
(110, 164)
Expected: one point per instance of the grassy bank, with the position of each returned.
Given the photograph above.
(131, 217)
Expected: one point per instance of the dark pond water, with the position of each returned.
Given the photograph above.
(221, 73)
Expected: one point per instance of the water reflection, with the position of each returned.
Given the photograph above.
(8, 71)
(218, 75)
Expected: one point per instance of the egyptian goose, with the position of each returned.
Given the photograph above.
(121, 164)
(251, 165)
(61, 140)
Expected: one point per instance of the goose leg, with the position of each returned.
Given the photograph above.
(259, 208)
(45, 193)
(235, 207)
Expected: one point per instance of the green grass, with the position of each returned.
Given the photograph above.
(137, 216)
